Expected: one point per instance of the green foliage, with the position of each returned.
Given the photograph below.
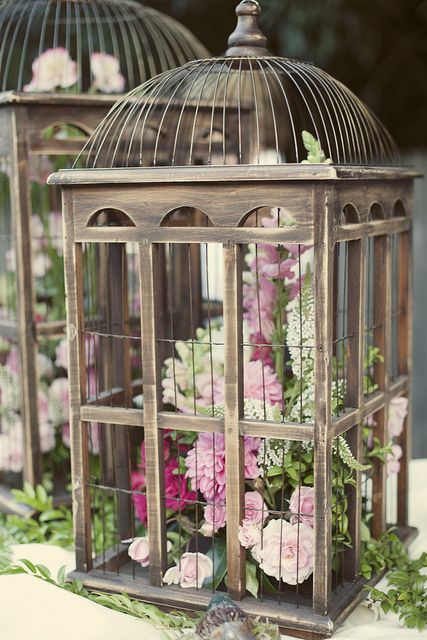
(379, 555)
(315, 153)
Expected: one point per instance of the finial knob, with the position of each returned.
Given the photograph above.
(247, 39)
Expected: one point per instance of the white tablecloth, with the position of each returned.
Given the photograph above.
(30, 608)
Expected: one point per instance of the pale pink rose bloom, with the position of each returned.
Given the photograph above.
(106, 72)
(62, 354)
(393, 459)
(301, 505)
(43, 407)
(249, 534)
(41, 265)
(397, 412)
(190, 572)
(53, 69)
(215, 519)
(44, 366)
(256, 510)
(139, 551)
(287, 551)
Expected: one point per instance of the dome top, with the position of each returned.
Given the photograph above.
(246, 107)
(106, 46)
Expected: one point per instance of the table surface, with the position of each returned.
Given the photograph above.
(33, 609)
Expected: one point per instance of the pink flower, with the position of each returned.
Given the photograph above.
(262, 383)
(264, 353)
(139, 550)
(256, 510)
(59, 397)
(52, 69)
(215, 519)
(393, 460)
(249, 534)
(206, 464)
(398, 410)
(12, 361)
(259, 302)
(287, 551)
(209, 389)
(105, 69)
(178, 496)
(62, 354)
(191, 571)
(301, 505)
(139, 499)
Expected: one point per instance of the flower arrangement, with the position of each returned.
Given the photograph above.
(55, 70)
(277, 528)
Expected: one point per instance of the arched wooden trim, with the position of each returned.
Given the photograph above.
(349, 214)
(81, 130)
(376, 212)
(253, 218)
(399, 209)
(112, 218)
(186, 217)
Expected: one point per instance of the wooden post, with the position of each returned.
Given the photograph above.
(73, 256)
(354, 396)
(404, 340)
(21, 220)
(382, 340)
(155, 479)
(234, 442)
(323, 288)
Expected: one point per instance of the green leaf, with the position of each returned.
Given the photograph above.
(252, 583)
(218, 555)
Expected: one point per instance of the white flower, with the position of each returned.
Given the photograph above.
(52, 69)
(106, 72)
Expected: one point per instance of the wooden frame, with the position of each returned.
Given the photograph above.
(316, 196)
(23, 119)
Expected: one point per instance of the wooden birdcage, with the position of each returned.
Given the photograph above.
(61, 65)
(251, 462)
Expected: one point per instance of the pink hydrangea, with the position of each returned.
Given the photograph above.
(206, 464)
(190, 572)
(51, 70)
(301, 505)
(397, 412)
(286, 551)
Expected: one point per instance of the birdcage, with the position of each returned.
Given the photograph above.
(61, 66)
(271, 437)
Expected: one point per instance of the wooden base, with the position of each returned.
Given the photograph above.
(299, 622)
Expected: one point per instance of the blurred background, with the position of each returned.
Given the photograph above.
(378, 48)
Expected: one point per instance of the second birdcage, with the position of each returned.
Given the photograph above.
(62, 65)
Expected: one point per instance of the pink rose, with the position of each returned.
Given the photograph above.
(52, 69)
(191, 571)
(105, 69)
(255, 508)
(397, 412)
(301, 505)
(215, 519)
(250, 534)
(287, 551)
(139, 550)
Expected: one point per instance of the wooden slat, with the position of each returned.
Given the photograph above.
(73, 260)
(56, 329)
(21, 221)
(404, 341)
(350, 232)
(164, 175)
(347, 419)
(382, 340)
(234, 442)
(323, 287)
(299, 432)
(153, 436)
(356, 288)
(113, 415)
(202, 234)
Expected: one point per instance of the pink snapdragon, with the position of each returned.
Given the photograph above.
(286, 552)
(262, 383)
(398, 410)
(51, 70)
(301, 505)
